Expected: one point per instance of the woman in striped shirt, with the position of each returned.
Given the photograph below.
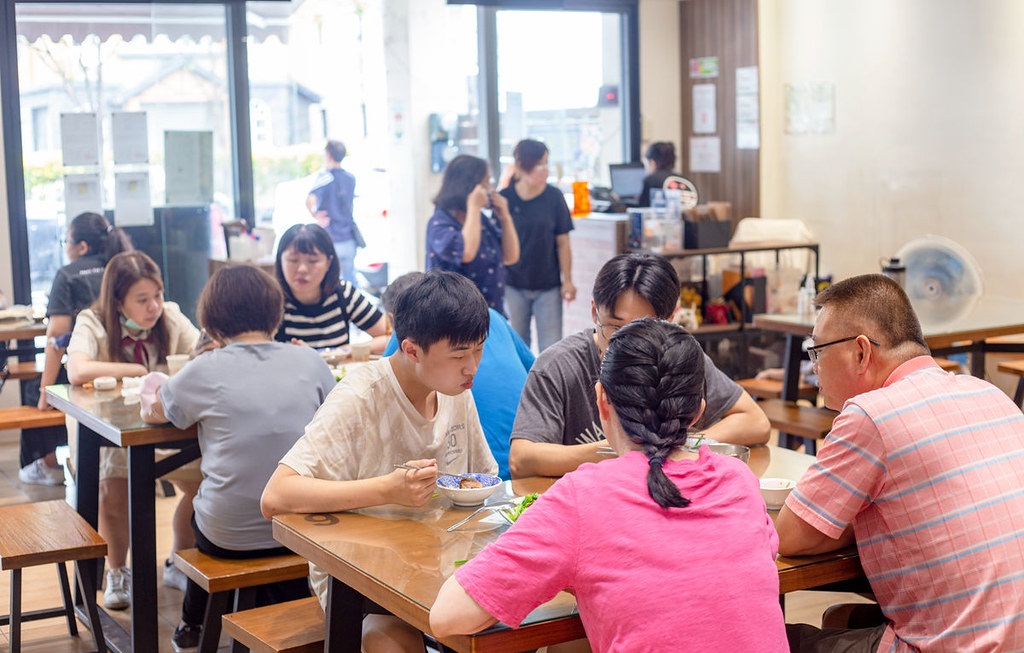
(319, 306)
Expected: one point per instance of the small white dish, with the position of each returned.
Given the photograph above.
(775, 490)
(104, 383)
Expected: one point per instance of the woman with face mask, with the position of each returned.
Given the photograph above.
(129, 332)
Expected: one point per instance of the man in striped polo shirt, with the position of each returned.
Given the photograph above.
(924, 470)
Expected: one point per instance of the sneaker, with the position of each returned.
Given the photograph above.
(38, 473)
(117, 595)
(186, 638)
(173, 577)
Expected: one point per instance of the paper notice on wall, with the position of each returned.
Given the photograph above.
(705, 154)
(82, 194)
(189, 167)
(705, 117)
(128, 132)
(748, 112)
(79, 139)
(132, 204)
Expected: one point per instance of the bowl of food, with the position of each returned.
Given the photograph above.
(512, 513)
(468, 489)
(334, 355)
(775, 490)
(735, 450)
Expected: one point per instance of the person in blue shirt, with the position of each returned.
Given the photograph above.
(463, 238)
(499, 378)
(330, 203)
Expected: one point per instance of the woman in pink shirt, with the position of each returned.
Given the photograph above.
(664, 548)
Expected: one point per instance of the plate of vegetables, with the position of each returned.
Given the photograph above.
(511, 513)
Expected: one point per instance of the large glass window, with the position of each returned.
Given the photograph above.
(81, 64)
(320, 76)
(559, 74)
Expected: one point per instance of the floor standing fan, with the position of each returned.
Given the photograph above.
(943, 280)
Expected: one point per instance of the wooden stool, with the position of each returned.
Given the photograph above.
(290, 627)
(1015, 367)
(811, 424)
(233, 578)
(49, 532)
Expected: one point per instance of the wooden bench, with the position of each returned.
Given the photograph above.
(1015, 367)
(290, 627)
(42, 533)
(233, 578)
(948, 365)
(807, 422)
(772, 389)
(29, 417)
(22, 370)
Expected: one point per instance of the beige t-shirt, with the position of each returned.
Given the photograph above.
(367, 424)
(90, 336)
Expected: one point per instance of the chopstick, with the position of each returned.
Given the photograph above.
(439, 472)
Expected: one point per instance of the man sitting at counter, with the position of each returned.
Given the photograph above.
(557, 427)
(924, 466)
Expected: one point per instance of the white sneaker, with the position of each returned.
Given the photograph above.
(174, 577)
(117, 595)
(39, 473)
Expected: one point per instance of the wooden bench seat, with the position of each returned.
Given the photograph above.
(49, 532)
(28, 417)
(22, 370)
(806, 422)
(772, 389)
(290, 627)
(233, 578)
(1015, 367)
(948, 365)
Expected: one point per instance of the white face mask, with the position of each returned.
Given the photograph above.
(132, 324)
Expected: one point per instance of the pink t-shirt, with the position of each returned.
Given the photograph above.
(699, 578)
(929, 469)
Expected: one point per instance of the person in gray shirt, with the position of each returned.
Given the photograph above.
(251, 399)
(557, 426)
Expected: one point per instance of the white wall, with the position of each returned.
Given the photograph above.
(929, 128)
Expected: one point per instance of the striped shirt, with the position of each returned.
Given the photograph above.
(326, 324)
(929, 470)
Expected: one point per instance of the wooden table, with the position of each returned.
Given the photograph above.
(105, 419)
(965, 330)
(399, 558)
(19, 330)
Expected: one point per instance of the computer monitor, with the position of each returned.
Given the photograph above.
(627, 181)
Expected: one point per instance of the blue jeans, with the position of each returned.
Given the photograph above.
(346, 253)
(543, 305)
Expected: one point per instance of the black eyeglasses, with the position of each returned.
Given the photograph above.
(813, 349)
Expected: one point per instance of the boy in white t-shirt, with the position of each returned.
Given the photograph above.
(412, 408)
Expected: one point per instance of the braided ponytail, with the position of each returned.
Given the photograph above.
(653, 375)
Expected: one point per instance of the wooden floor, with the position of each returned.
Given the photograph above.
(40, 583)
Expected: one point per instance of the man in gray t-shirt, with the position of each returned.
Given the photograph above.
(557, 426)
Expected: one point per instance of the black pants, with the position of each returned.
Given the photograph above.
(193, 608)
(36, 443)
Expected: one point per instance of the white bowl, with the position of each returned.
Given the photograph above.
(449, 486)
(775, 490)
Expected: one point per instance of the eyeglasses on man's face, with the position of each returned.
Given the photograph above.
(813, 350)
(607, 330)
